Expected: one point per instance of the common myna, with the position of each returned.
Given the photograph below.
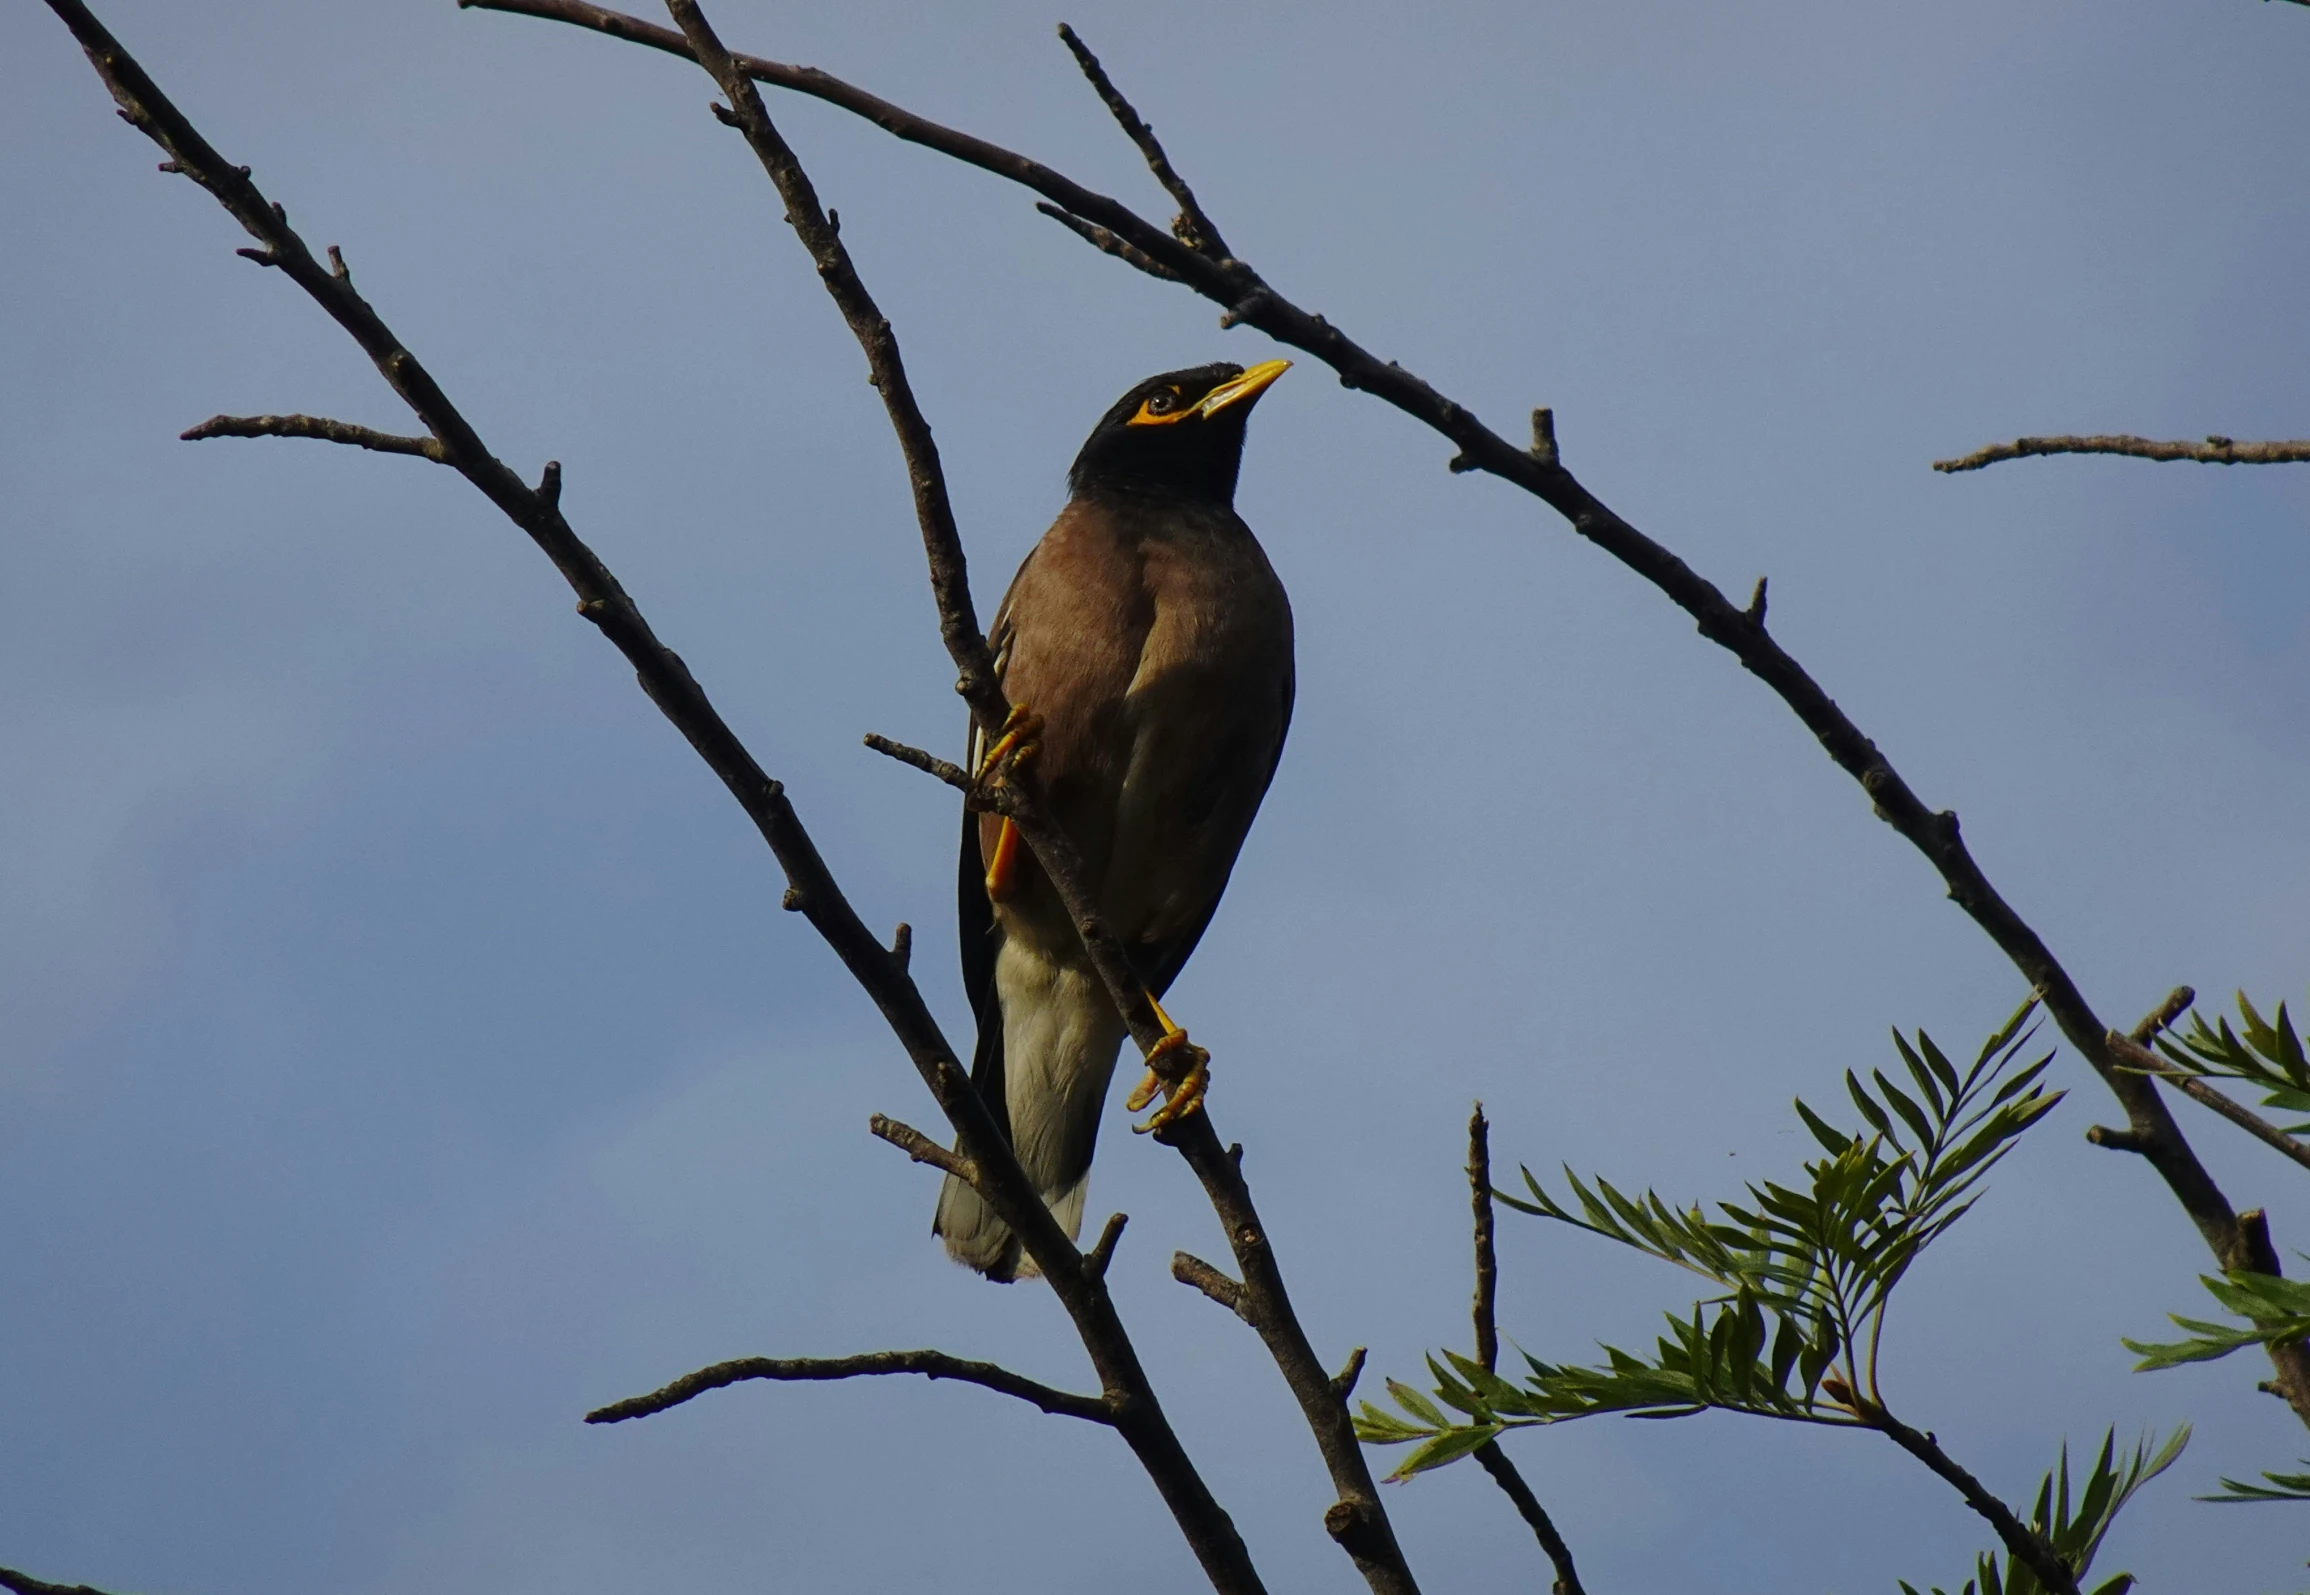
(1146, 645)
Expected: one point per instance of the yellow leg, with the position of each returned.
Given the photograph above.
(1017, 743)
(1003, 868)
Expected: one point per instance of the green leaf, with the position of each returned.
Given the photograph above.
(1449, 1446)
(2276, 1309)
(1375, 1427)
(1417, 1405)
(1868, 1105)
(1833, 1140)
(1911, 1114)
(2279, 1487)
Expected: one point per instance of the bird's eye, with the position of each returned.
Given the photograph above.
(1163, 404)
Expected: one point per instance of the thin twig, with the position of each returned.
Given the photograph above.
(1487, 1260)
(1489, 1456)
(922, 1148)
(2216, 450)
(946, 770)
(933, 1364)
(1193, 228)
(1494, 1461)
(2177, 1001)
(1105, 238)
(2022, 1542)
(812, 889)
(314, 426)
(1189, 1269)
(1102, 1251)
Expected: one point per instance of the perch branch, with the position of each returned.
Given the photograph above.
(2214, 451)
(313, 426)
(1489, 1456)
(812, 889)
(1356, 1520)
(933, 1364)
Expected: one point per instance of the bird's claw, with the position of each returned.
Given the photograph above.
(1016, 741)
(1183, 1095)
(1015, 745)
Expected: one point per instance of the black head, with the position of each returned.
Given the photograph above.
(1180, 433)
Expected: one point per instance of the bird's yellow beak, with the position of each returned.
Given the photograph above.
(1243, 389)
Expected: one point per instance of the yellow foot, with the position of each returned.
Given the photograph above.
(1019, 731)
(1184, 1095)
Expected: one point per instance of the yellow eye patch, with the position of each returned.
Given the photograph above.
(1162, 409)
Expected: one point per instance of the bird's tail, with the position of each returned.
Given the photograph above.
(1060, 1037)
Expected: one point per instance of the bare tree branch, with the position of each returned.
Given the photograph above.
(1489, 1456)
(26, 1584)
(812, 889)
(2177, 1002)
(931, 764)
(1248, 299)
(314, 426)
(934, 1364)
(1103, 238)
(1102, 1250)
(2022, 1542)
(2216, 450)
(1487, 1260)
(922, 1148)
(1189, 1269)
(1193, 228)
(1357, 1521)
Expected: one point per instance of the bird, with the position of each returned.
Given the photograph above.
(1146, 647)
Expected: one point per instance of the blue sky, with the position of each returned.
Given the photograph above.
(401, 1050)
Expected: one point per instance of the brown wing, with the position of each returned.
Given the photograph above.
(1210, 705)
(979, 936)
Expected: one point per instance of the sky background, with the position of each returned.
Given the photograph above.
(402, 1051)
